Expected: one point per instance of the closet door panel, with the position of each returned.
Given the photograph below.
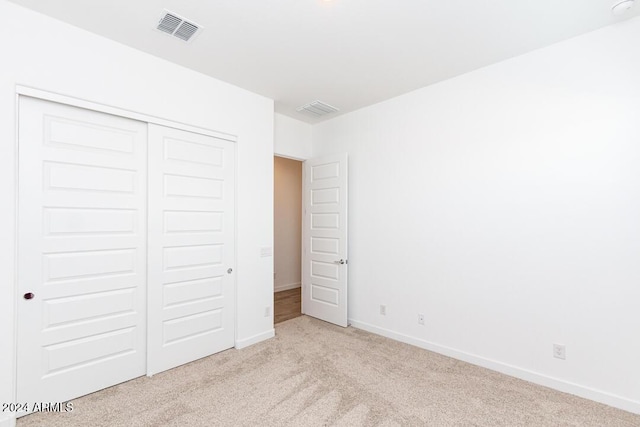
(81, 251)
(191, 247)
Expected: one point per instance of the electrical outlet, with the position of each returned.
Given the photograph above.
(559, 351)
(383, 310)
(267, 311)
(420, 319)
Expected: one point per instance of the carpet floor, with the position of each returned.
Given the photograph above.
(317, 374)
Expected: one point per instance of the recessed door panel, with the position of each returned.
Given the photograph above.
(87, 135)
(321, 221)
(91, 179)
(322, 171)
(323, 196)
(192, 326)
(84, 352)
(325, 270)
(324, 245)
(193, 256)
(324, 295)
(91, 222)
(193, 186)
(193, 152)
(71, 265)
(193, 222)
(190, 291)
(67, 311)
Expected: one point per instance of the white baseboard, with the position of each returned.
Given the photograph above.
(280, 288)
(255, 339)
(514, 371)
(8, 422)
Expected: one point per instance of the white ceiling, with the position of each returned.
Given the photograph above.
(347, 53)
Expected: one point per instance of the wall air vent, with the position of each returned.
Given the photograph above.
(175, 25)
(317, 109)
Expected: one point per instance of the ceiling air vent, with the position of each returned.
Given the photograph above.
(317, 109)
(177, 26)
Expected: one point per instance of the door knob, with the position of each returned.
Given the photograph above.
(29, 295)
(229, 270)
(340, 262)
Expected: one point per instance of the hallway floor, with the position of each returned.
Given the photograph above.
(286, 305)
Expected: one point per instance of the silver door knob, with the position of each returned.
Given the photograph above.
(229, 270)
(339, 262)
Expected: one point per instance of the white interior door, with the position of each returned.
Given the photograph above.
(191, 247)
(324, 263)
(81, 251)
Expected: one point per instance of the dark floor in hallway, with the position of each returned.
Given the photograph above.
(286, 305)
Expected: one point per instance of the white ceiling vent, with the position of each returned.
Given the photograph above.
(177, 26)
(317, 109)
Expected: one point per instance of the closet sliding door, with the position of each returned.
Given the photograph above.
(81, 251)
(125, 249)
(191, 247)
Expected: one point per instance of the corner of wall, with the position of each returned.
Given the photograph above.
(505, 368)
(292, 138)
(244, 343)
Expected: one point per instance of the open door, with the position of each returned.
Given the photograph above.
(324, 239)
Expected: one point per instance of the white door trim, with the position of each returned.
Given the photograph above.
(102, 108)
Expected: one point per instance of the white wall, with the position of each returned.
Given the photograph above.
(287, 226)
(40, 52)
(504, 204)
(292, 138)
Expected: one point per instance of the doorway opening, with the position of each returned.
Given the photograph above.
(287, 276)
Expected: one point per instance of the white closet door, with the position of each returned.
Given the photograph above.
(191, 247)
(81, 251)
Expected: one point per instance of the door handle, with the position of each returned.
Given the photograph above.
(341, 261)
(29, 295)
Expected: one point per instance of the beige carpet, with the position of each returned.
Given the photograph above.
(316, 374)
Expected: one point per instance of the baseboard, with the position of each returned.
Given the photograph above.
(8, 422)
(514, 371)
(280, 288)
(255, 339)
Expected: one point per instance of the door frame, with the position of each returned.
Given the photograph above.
(115, 111)
(22, 91)
(301, 211)
(302, 160)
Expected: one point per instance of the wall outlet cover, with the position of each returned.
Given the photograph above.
(559, 351)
